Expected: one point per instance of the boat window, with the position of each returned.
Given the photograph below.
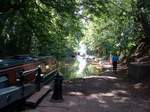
(3, 78)
(3, 81)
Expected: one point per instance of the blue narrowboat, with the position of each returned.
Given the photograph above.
(19, 76)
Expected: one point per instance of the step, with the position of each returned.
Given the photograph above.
(36, 97)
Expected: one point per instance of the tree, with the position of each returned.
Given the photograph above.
(39, 27)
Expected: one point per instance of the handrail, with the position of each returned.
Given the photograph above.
(29, 71)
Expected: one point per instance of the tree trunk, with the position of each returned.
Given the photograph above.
(143, 20)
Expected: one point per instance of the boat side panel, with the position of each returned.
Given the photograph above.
(12, 72)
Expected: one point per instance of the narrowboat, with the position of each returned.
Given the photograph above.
(20, 76)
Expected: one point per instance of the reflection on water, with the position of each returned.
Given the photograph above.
(78, 68)
(81, 64)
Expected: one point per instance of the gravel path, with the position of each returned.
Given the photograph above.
(106, 93)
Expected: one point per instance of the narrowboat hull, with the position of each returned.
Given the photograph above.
(17, 80)
(14, 93)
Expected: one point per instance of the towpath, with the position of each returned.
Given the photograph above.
(105, 93)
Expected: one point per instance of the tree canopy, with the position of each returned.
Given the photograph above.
(55, 27)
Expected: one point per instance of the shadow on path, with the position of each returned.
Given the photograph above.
(106, 93)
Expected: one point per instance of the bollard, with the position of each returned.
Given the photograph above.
(57, 90)
(38, 79)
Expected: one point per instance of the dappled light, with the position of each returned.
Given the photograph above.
(108, 77)
(95, 94)
(100, 49)
(75, 93)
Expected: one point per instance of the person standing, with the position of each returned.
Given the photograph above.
(114, 62)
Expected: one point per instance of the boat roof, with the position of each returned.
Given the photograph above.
(19, 60)
(6, 63)
(14, 61)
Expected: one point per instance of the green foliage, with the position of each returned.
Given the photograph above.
(115, 27)
(56, 27)
(38, 27)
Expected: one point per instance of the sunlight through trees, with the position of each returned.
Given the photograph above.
(56, 27)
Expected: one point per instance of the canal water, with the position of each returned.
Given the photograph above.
(78, 67)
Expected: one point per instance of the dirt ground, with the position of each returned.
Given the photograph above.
(108, 92)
